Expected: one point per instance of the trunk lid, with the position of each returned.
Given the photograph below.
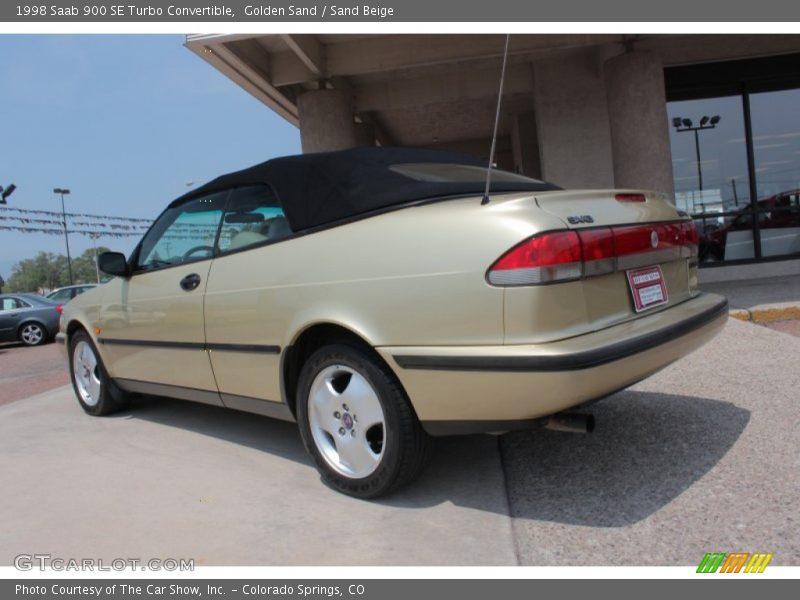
(603, 207)
(645, 228)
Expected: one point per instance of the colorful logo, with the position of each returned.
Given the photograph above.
(734, 562)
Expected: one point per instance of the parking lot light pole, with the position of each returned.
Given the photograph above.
(6, 192)
(63, 192)
(94, 237)
(682, 125)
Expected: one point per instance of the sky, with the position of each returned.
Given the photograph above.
(123, 121)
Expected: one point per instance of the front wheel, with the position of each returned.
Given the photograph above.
(357, 423)
(97, 394)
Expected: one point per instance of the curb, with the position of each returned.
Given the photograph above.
(767, 313)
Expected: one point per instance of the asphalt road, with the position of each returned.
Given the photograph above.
(702, 457)
(747, 293)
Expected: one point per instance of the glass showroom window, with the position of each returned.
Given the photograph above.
(775, 118)
(710, 171)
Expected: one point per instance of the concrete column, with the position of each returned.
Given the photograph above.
(525, 145)
(572, 119)
(637, 111)
(326, 122)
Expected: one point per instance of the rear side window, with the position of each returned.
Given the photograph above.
(253, 217)
(12, 304)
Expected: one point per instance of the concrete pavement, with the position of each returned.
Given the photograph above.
(181, 480)
(701, 457)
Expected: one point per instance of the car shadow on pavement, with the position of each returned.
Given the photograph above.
(464, 471)
(647, 449)
(254, 431)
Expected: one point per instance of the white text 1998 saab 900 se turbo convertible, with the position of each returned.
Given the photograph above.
(372, 296)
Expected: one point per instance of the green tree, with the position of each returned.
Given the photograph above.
(50, 271)
(42, 271)
(83, 268)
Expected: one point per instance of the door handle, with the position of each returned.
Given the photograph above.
(190, 282)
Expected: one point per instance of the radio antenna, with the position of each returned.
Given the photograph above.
(496, 123)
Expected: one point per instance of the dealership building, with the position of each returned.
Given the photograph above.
(713, 120)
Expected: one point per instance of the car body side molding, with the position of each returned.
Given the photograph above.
(266, 349)
(169, 391)
(268, 408)
(152, 343)
(244, 348)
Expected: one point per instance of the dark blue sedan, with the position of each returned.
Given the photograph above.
(28, 318)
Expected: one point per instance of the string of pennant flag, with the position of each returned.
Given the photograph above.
(71, 216)
(94, 233)
(20, 220)
(51, 231)
(29, 220)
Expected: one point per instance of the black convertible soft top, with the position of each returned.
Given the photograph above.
(316, 189)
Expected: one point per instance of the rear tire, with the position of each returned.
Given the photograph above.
(357, 423)
(97, 393)
(32, 334)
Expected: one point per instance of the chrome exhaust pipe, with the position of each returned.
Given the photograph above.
(571, 422)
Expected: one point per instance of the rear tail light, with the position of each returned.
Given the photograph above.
(691, 239)
(597, 246)
(638, 238)
(690, 232)
(568, 255)
(554, 256)
(59, 308)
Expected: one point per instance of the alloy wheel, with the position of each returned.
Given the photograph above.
(346, 421)
(85, 371)
(32, 334)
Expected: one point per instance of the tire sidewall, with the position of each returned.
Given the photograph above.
(383, 477)
(103, 403)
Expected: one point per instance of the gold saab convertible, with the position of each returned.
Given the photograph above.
(377, 297)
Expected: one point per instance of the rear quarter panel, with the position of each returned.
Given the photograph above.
(411, 276)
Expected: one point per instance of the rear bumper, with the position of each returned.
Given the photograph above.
(494, 388)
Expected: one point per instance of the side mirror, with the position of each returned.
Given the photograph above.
(113, 263)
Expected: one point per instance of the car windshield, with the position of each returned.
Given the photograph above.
(60, 295)
(183, 233)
